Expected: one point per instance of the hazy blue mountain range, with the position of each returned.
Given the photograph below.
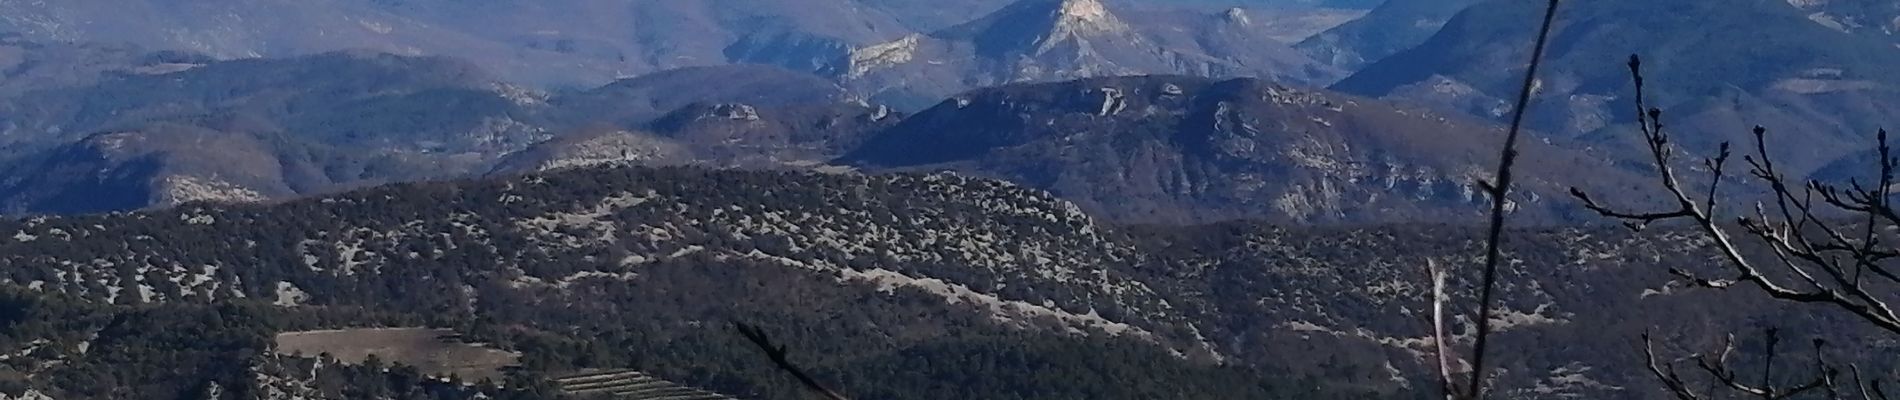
(260, 129)
(1391, 27)
(1170, 149)
(1716, 68)
(151, 133)
(348, 119)
(576, 43)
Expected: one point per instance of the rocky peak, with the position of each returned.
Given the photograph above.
(1238, 16)
(1084, 14)
(729, 111)
(1039, 26)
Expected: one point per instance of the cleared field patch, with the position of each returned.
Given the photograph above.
(436, 352)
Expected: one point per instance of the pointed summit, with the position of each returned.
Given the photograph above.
(1052, 40)
(1040, 26)
(1084, 13)
(1237, 15)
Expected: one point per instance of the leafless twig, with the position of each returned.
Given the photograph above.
(1721, 371)
(1666, 372)
(1811, 258)
(1499, 191)
(1815, 261)
(777, 353)
(1441, 346)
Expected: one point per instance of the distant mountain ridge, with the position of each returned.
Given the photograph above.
(1391, 27)
(298, 127)
(1051, 40)
(569, 43)
(279, 128)
(1869, 18)
(259, 129)
(559, 42)
(1735, 65)
(1167, 149)
(1164, 149)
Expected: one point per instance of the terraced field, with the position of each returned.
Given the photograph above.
(623, 384)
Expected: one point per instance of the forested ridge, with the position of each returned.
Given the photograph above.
(899, 286)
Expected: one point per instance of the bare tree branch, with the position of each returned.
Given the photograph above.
(1666, 372)
(1815, 261)
(777, 353)
(1441, 344)
(1815, 257)
(1876, 392)
(1500, 200)
(1721, 373)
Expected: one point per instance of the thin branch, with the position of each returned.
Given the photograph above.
(1441, 341)
(1500, 193)
(777, 353)
(1819, 261)
(1721, 374)
(1877, 392)
(1666, 372)
(1838, 258)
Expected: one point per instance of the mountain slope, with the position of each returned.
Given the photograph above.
(26, 65)
(1573, 300)
(585, 43)
(892, 285)
(352, 96)
(160, 164)
(1736, 64)
(1172, 149)
(334, 121)
(259, 129)
(638, 100)
(563, 42)
(1870, 18)
(588, 214)
(713, 134)
(596, 146)
(900, 261)
(1391, 27)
